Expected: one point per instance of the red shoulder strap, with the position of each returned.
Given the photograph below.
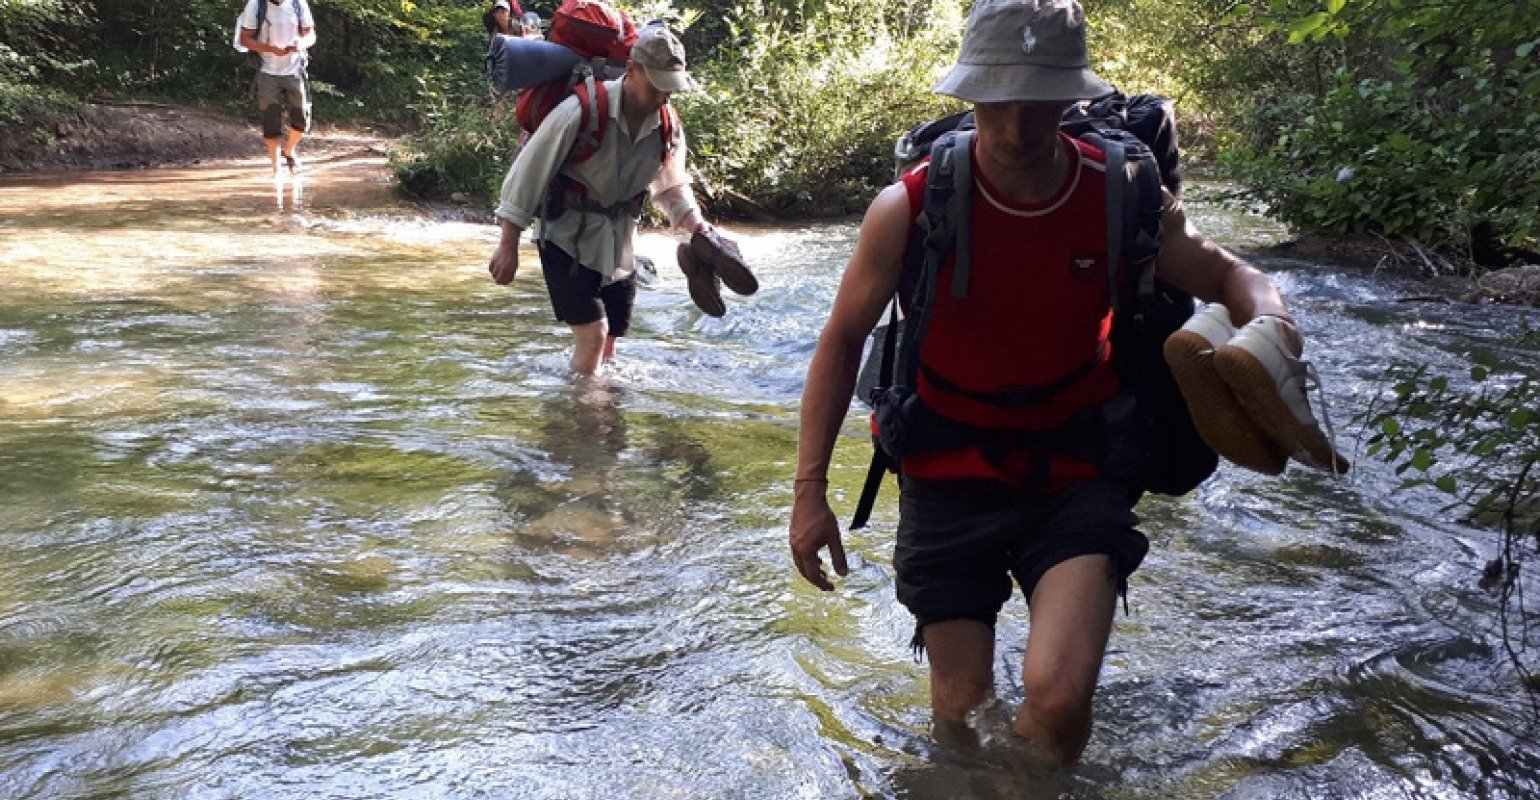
(594, 104)
(669, 124)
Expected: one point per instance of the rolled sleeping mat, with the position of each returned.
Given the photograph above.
(515, 62)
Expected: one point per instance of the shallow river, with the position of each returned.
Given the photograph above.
(295, 503)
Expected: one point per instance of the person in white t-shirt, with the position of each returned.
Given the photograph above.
(282, 36)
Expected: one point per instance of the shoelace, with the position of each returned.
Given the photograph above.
(1313, 381)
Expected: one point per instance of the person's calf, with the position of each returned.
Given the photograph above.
(1056, 719)
(588, 347)
(290, 145)
(274, 145)
(961, 653)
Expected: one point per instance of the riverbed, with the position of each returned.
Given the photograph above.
(296, 503)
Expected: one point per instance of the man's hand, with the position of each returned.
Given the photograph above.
(504, 263)
(813, 528)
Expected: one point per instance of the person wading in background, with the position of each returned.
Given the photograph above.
(282, 31)
(588, 207)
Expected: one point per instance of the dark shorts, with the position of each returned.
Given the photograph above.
(578, 299)
(960, 542)
(282, 98)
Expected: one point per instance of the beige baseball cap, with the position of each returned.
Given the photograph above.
(661, 53)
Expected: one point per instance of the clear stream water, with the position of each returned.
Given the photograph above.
(295, 503)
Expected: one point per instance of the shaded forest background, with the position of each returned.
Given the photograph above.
(1403, 118)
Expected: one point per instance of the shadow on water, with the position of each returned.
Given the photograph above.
(296, 503)
(600, 493)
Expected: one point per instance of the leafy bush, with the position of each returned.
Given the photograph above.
(1403, 158)
(803, 115)
(1417, 123)
(1479, 443)
(465, 146)
(37, 48)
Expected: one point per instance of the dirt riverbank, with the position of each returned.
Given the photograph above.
(104, 136)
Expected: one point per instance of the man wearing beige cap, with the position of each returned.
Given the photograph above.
(588, 195)
(1033, 322)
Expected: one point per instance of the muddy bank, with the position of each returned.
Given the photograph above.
(106, 136)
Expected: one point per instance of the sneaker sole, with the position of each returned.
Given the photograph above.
(702, 283)
(1258, 394)
(1221, 421)
(735, 275)
(736, 278)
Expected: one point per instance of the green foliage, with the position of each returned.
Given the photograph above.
(1421, 120)
(465, 146)
(1478, 443)
(1405, 118)
(367, 62)
(801, 114)
(1401, 158)
(37, 48)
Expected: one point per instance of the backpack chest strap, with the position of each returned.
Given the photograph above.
(1017, 396)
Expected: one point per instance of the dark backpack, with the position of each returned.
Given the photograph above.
(1143, 437)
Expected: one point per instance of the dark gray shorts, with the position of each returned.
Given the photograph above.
(578, 299)
(282, 98)
(961, 541)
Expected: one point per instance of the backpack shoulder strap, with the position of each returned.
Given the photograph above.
(940, 231)
(1134, 205)
(944, 212)
(668, 124)
(594, 107)
(959, 212)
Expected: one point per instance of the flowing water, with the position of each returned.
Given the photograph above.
(295, 503)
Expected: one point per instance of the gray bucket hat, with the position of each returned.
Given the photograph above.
(1022, 50)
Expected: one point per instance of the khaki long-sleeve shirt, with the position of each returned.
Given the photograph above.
(620, 169)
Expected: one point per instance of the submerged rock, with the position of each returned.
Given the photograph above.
(1517, 285)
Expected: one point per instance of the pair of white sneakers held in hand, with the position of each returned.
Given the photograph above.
(1246, 390)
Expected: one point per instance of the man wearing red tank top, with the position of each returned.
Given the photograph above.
(1037, 309)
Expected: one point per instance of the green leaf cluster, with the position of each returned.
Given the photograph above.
(464, 146)
(801, 109)
(1410, 118)
(1479, 444)
(37, 50)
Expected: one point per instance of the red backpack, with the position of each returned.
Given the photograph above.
(601, 35)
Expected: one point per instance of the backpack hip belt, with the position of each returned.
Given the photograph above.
(566, 194)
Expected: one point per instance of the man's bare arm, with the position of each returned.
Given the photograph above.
(1211, 273)
(868, 284)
